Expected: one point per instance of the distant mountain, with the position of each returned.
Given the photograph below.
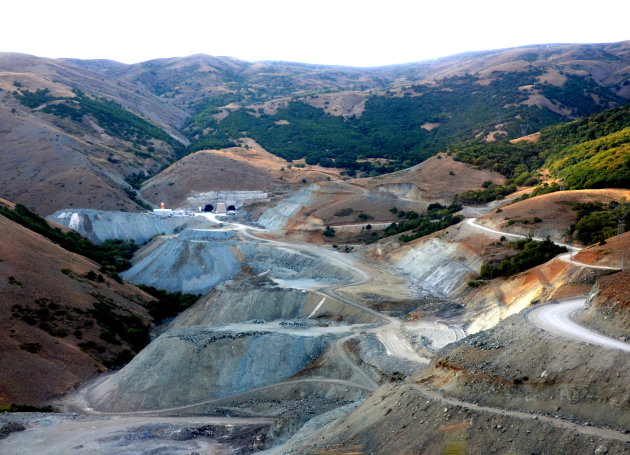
(87, 133)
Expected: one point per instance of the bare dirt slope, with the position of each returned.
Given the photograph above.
(46, 310)
(439, 178)
(614, 253)
(358, 202)
(47, 169)
(554, 210)
(609, 305)
(514, 387)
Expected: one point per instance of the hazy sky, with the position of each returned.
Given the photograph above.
(349, 32)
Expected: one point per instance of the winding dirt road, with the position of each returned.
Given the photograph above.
(557, 422)
(556, 317)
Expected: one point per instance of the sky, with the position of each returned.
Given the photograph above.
(340, 32)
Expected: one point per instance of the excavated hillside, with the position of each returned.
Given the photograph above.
(349, 206)
(99, 226)
(609, 306)
(259, 298)
(513, 387)
(55, 307)
(255, 346)
(443, 263)
(197, 259)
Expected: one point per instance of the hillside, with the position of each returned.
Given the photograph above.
(71, 138)
(62, 321)
(548, 214)
(591, 152)
(245, 168)
(485, 95)
(116, 125)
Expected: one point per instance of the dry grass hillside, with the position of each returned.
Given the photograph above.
(439, 179)
(245, 168)
(55, 161)
(47, 312)
(554, 211)
(70, 74)
(48, 169)
(555, 60)
(52, 161)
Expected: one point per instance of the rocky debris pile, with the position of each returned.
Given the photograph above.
(521, 366)
(277, 216)
(220, 361)
(402, 418)
(257, 298)
(198, 259)
(10, 427)
(193, 262)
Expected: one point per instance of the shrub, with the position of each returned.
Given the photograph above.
(530, 254)
(31, 347)
(167, 304)
(344, 212)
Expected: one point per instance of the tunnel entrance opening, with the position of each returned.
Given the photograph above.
(231, 208)
(208, 208)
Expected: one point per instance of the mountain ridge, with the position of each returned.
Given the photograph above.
(369, 120)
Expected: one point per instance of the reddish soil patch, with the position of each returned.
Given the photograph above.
(609, 254)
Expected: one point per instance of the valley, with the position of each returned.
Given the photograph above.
(422, 258)
(282, 340)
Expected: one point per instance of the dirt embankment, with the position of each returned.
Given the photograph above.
(615, 252)
(51, 336)
(609, 306)
(512, 388)
(519, 366)
(407, 419)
